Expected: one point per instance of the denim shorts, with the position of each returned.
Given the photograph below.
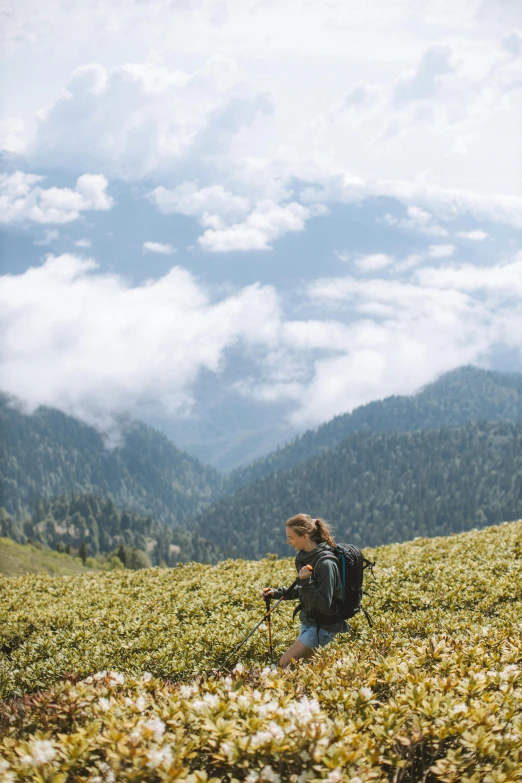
(309, 636)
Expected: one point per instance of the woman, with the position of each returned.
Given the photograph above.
(319, 590)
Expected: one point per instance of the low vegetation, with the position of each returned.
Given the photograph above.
(107, 676)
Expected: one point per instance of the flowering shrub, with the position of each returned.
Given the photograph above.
(433, 692)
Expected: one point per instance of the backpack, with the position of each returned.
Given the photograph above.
(352, 564)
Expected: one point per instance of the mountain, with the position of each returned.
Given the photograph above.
(381, 487)
(48, 454)
(457, 397)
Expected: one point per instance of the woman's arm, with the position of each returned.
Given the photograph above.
(318, 589)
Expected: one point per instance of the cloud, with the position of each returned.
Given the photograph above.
(477, 235)
(441, 251)
(118, 348)
(49, 236)
(22, 198)
(503, 280)
(417, 220)
(204, 203)
(83, 243)
(366, 263)
(141, 119)
(265, 223)
(423, 82)
(158, 247)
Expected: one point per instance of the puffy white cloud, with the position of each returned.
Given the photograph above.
(476, 235)
(366, 263)
(205, 203)
(140, 119)
(23, 199)
(417, 219)
(114, 347)
(83, 243)
(158, 247)
(441, 251)
(504, 280)
(266, 222)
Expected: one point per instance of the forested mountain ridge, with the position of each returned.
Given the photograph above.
(49, 453)
(101, 527)
(378, 488)
(463, 395)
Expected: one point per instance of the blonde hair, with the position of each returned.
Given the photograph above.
(318, 529)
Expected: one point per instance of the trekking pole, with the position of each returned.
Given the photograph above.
(264, 619)
(269, 619)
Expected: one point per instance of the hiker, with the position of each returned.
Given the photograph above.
(319, 589)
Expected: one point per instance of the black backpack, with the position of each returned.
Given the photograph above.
(352, 564)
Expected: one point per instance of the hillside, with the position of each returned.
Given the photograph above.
(378, 488)
(49, 454)
(16, 560)
(73, 520)
(457, 397)
(433, 692)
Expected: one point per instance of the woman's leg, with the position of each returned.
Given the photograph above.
(296, 650)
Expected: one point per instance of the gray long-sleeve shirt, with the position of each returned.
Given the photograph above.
(317, 593)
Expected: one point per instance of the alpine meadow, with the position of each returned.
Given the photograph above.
(261, 391)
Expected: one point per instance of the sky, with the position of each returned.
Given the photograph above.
(259, 211)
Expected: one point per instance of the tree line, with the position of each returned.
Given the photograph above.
(379, 488)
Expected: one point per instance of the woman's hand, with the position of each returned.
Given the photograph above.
(305, 572)
(267, 592)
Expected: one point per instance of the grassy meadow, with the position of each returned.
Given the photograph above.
(18, 559)
(106, 676)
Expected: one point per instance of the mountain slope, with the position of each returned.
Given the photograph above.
(457, 397)
(432, 692)
(381, 487)
(16, 560)
(49, 454)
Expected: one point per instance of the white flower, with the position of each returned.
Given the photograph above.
(88, 681)
(104, 703)
(261, 738)
(135, 735)
(141, 703)
(147, 677)
(156, 726)
(252, 777)
(243, 702)
(8, 777)
(4, 765)
(460, 708)
(267, 773)
(334, 776)
(238, 668)
(365, 694)
(356, 779)
(40, 753)
(212, 699)
(186, 691)
(276, 731)
(256, 695)
(160, 756)
(100, 675)
(198, 704)
(116, 679)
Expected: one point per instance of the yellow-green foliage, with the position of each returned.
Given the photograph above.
(17, 559)
(432, 692)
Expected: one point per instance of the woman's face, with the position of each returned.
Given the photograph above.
(299, 543)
